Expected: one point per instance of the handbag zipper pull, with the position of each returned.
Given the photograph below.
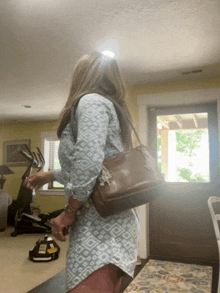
(105, 177)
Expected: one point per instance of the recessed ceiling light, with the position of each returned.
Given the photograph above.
(108, 47)
(108, 53)
(26, 106)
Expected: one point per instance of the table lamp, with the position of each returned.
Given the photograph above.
(4, 170)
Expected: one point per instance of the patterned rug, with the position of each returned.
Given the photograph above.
(166, 277)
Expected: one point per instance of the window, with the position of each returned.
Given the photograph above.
(183, 147)
(184, 139)
(50, 145)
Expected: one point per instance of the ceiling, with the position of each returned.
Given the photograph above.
(189, 122)
(154, 41)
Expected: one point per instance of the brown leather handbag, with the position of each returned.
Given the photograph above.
(128, 179)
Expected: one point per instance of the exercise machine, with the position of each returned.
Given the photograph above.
(20, 212)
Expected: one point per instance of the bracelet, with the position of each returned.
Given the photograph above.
(69, 209)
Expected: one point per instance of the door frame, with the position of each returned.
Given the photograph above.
(145, 102)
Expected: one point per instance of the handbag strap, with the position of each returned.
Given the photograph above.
(122, 112)
(119, 108)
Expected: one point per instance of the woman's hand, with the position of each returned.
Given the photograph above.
(39, 179)
(64, 220)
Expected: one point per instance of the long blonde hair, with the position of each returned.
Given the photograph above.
(96, 73)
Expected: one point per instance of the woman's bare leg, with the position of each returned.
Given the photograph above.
(107, 279)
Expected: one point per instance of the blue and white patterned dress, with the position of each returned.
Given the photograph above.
(94, 241)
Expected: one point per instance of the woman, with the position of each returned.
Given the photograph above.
(101, 250)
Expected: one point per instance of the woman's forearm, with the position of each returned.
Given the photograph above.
(37, 180)
(50, 176)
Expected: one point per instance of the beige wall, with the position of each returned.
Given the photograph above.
(175, 86)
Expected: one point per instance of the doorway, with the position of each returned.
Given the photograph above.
(184, 141)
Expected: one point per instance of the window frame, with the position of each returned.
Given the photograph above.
(46, 138)
(211, 109)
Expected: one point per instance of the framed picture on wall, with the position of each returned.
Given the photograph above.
(11, 152)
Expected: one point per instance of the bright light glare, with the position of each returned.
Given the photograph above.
(108, 54)
(108, 47)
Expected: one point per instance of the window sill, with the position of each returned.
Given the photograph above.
(52, 192)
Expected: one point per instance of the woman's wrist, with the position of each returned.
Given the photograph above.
(72, 209)
(71, 212)
(70, 216)
(50, 176)
(74, 203)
